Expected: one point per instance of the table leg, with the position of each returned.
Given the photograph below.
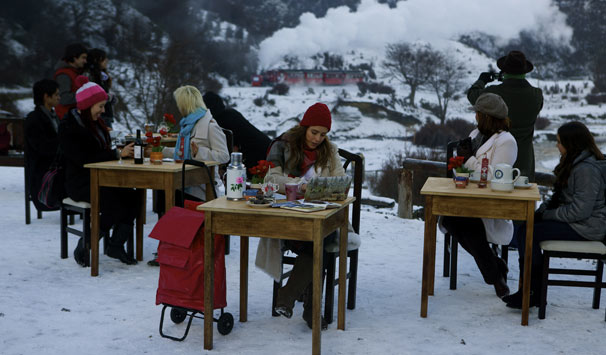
(430, 225)
(317, 288)
(209, 272)
(140, 221)
(527, 262)
(342, 269)
(169, 194)
(243, 279)
(94, 217)
(432, 261)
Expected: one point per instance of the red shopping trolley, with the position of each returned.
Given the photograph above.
(181, 258)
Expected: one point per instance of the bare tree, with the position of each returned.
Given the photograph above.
(409, 64)
(445, 78)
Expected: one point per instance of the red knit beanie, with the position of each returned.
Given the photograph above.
(317, 114)
(89, 93)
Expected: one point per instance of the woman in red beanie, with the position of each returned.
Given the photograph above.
(301, 153)
(83, 139)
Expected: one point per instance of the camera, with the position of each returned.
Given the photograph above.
(496, 76)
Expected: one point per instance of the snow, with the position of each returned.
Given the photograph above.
(51, 305)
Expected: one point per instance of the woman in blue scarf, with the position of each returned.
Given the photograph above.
(200, 137)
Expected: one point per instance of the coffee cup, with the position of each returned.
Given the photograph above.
(504, 174)
(291, 191)
(522, 180)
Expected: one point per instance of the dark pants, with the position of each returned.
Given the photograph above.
(471, 235)
(118, 206)
(543, 230)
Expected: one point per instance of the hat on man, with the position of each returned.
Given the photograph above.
(317, 114)
(89, 93)
(515, 63)
(492, 105)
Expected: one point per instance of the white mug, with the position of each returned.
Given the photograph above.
(503, 173)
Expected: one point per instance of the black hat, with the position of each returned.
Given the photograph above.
(515, 63)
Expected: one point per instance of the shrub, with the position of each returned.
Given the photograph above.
(279, 89)
(258, 101)
(595, 99)
(375, 87)
(541, 123)
(434, 135)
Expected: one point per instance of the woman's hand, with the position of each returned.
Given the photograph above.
(194, 149)
(128, 151)
(302, 187)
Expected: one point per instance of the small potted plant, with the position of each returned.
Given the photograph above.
(260, 170)
(460, 171)
(155, 157)
(169, 126)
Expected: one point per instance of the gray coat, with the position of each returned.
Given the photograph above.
(582, 202)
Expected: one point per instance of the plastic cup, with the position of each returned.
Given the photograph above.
(291, 191)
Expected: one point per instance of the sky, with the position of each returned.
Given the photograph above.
(375, 25)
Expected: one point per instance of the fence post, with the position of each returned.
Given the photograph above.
(405, 194)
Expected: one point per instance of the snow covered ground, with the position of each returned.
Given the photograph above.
(52, 306)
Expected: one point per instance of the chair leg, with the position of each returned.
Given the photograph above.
(454, 255)
(446, 268)
(597, 290)
(544, 284)
(39, 214)
(329, 298)
(353, 279)
(227, 245)
(274, 299)
(63, 233)
(505, 253)
(71, 219)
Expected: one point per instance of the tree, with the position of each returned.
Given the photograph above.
(445, 78)
(409, 64)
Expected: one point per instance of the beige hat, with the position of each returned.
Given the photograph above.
(492, 105)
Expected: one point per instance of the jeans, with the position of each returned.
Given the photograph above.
(543, 230)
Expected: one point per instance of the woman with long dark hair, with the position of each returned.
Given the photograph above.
(96, 63)
(576, 210)
(301, 153)
(84, 138)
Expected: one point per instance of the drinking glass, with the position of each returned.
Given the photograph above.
(120, 143)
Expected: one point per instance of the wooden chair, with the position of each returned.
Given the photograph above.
(576, 250)
(451, 246)
(70, 207)
(332, 249)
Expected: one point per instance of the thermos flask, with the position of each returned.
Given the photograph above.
(236, 178)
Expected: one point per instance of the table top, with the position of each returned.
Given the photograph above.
(221, 204)
(129, 164)
(445, 187)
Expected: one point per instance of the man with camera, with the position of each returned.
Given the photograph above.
(523, 100)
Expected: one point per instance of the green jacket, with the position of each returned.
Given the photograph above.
(524, 102)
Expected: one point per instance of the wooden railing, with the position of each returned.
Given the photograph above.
(416, 171)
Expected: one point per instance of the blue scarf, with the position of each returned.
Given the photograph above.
(187, 124)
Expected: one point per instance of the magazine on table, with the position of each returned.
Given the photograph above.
(329, 188)
(305, 206)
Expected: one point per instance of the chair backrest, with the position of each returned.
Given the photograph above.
(358, 178)
(450, 147)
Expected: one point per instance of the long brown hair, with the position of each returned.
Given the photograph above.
(296, 140)
(575, 138)
(91, 125)
(488, 125)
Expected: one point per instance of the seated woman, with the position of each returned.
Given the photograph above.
(493, 141)
(576, 210)
(200, 137)
(84, 138)
(299, 154)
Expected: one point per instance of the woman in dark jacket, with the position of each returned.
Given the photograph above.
(96, 63)
(577, 209)
(84, 139)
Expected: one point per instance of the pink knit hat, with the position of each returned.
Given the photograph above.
(317, 114)
(88, 93)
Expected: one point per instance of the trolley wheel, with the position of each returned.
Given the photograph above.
(177, 315)
(225, 323)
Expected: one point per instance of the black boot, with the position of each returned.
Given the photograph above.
(308, 310)
(300, 277)
(81, 254)
(116, 244)
(515, 300)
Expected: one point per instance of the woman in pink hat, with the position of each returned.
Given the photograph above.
(83, 139)
(301, 153)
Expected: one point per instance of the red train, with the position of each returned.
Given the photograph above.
(308, 76)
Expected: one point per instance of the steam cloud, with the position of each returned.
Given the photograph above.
(374, 25)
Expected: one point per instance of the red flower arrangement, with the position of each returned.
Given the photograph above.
(154, 142)
(260, 170)
(170, 122)
(456, 163)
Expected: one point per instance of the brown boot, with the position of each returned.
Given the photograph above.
(308, 310)
(300, 277)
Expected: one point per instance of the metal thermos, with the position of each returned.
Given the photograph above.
(236, 178)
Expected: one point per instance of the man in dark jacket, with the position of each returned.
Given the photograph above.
(247, 138)
(41, 142)
(523, 100)
(68, 68)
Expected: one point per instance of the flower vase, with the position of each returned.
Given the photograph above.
(155, 158)
(460, 179)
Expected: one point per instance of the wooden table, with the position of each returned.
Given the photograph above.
(166, 176)
(236, 218)
(443, 199)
